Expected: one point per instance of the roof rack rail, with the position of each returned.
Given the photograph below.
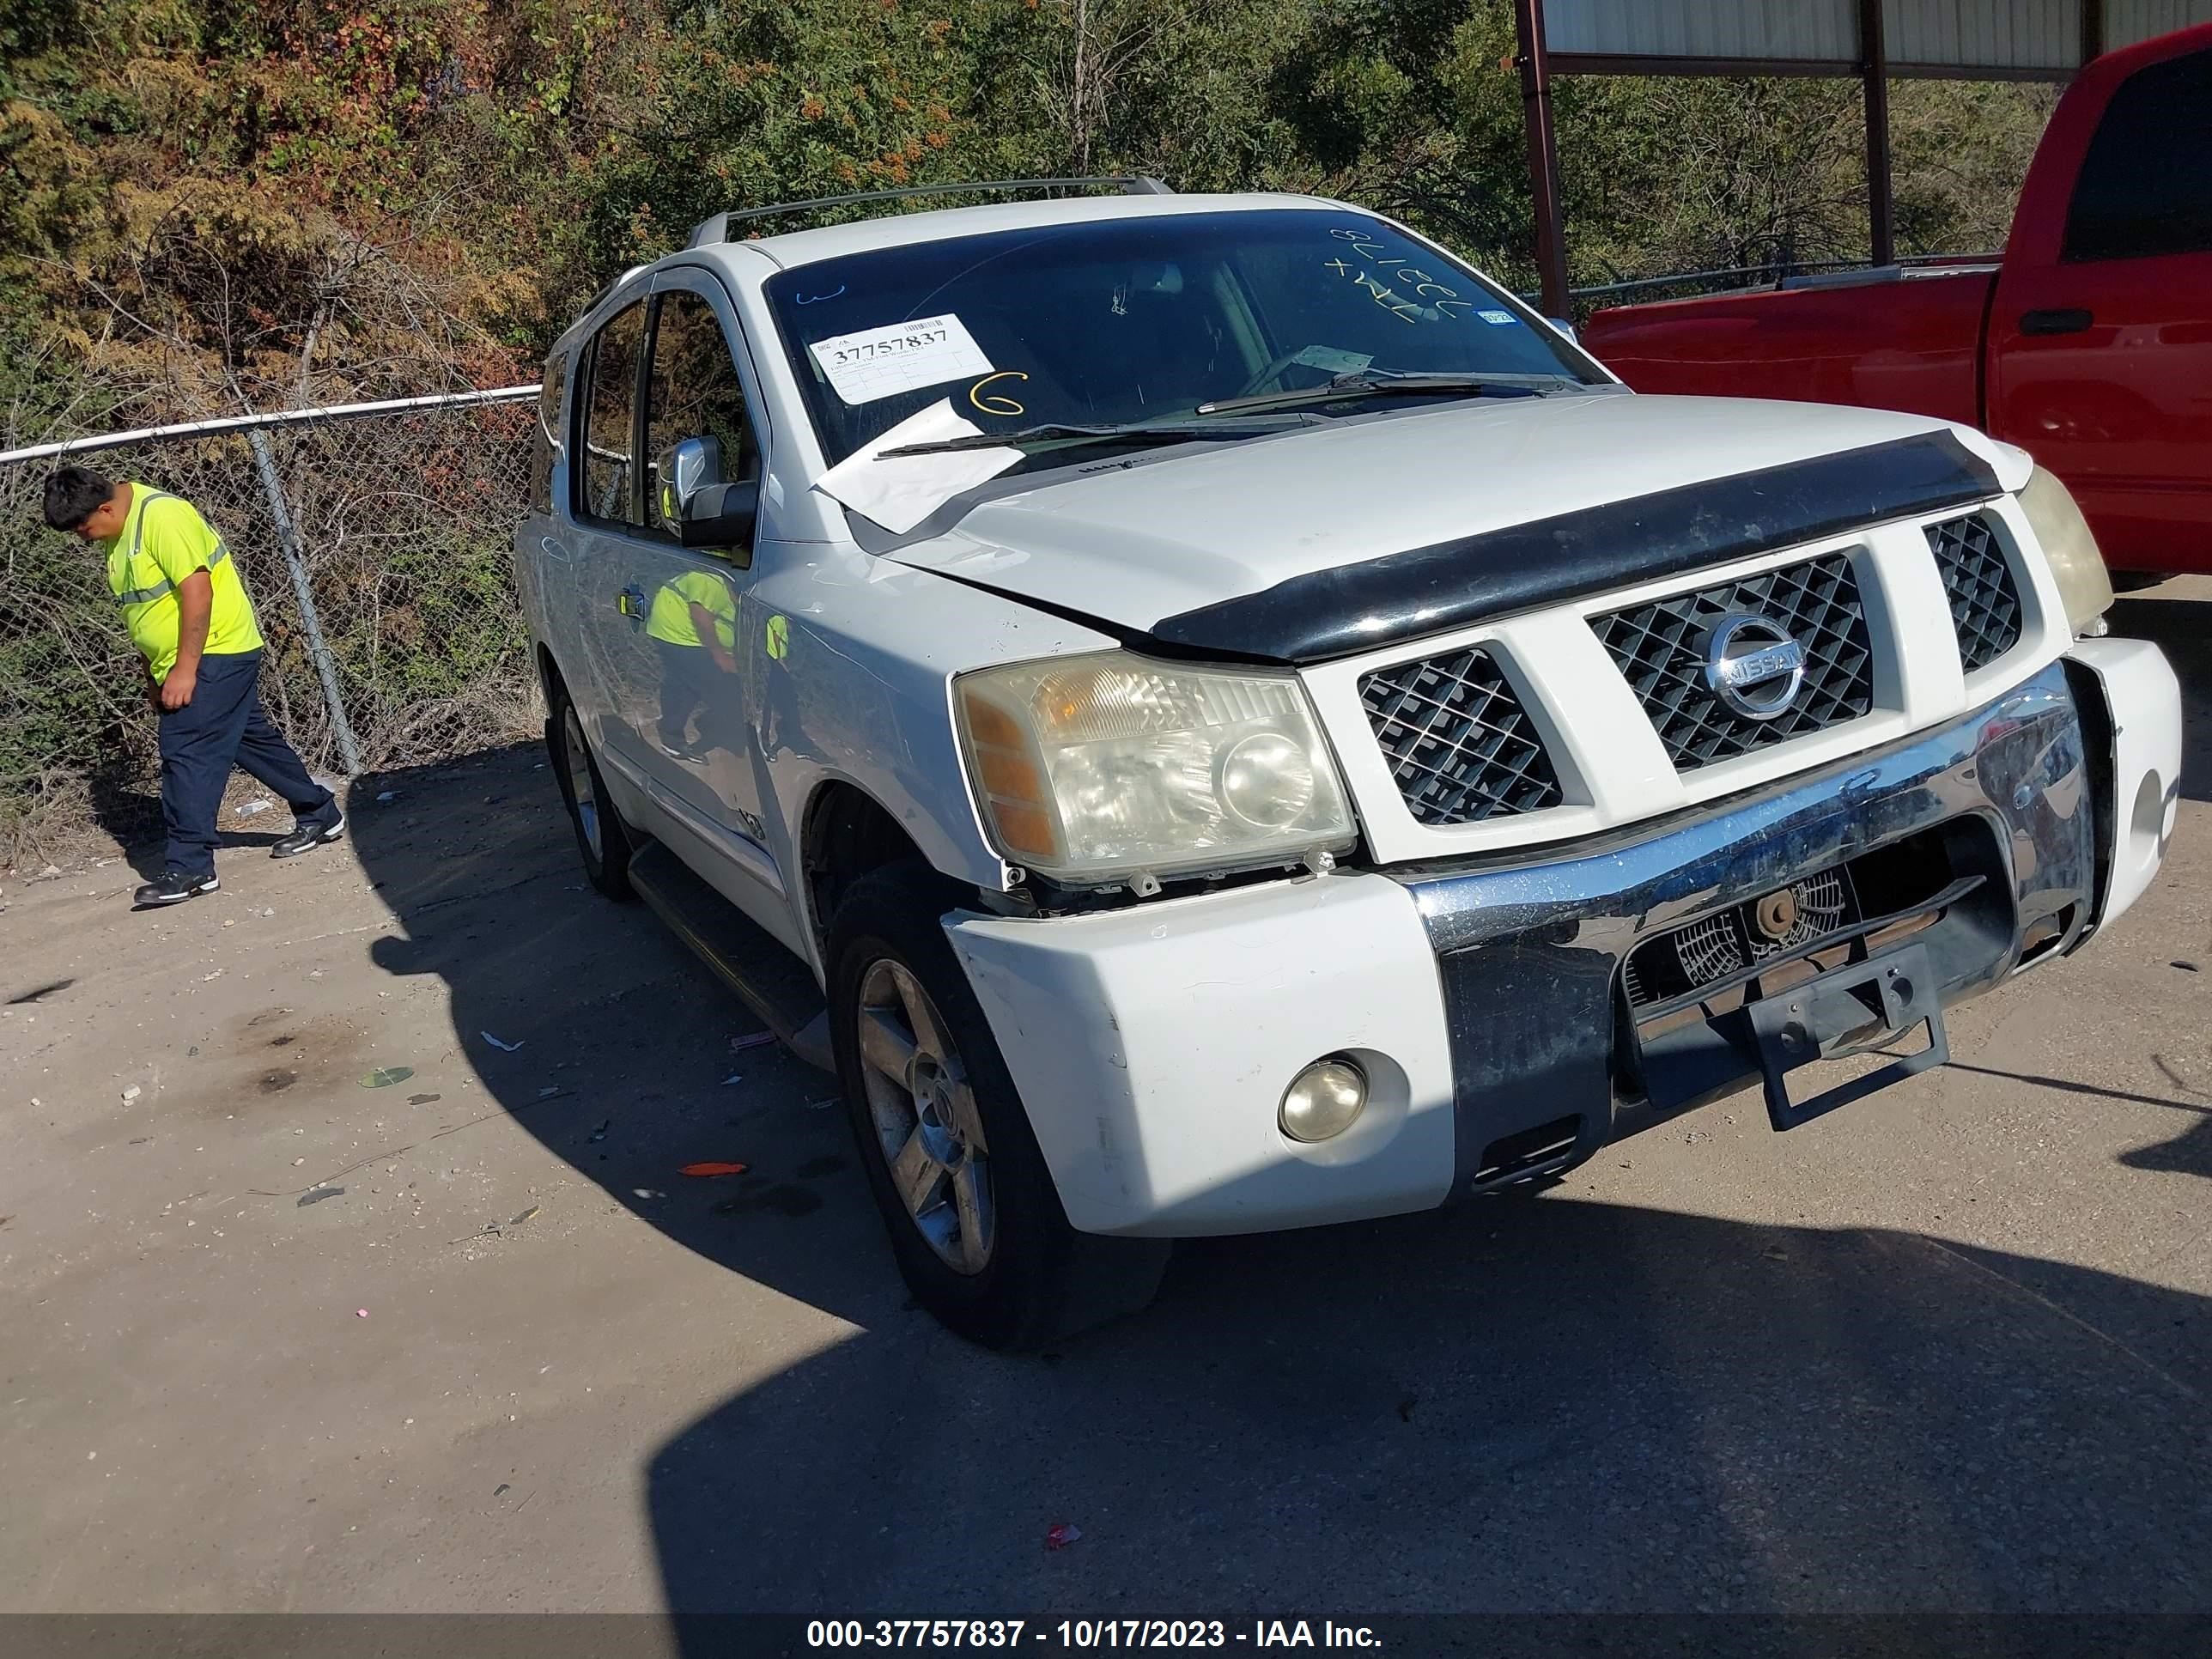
(717, 228)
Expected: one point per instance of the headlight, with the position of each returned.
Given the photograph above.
(1097, 766)
(2083, 582)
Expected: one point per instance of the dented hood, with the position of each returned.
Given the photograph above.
(1349, 534)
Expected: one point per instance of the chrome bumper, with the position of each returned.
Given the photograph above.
(1546, 1060)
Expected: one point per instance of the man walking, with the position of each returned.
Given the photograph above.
(188, 613)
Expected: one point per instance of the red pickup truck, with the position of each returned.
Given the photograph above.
(2089, 344)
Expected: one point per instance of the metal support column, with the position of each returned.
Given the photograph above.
(296, 560)
(1874, 74)
(2093, 31)
(1543, 157)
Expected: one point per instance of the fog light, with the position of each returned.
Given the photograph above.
(1324, 1100)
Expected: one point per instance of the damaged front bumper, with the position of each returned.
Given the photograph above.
(1514, 1017)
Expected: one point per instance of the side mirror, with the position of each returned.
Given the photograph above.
(720, 515)
(705, 511)
(1566, 328)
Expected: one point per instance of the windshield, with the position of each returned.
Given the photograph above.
(1125, 320)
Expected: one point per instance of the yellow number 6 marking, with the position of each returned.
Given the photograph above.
(998, 402)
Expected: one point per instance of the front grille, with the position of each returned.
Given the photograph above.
(1984, 603)
(1660, 648)
(1459, 744)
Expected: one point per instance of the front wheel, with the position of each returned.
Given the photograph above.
(975, 1222)
(601, 838)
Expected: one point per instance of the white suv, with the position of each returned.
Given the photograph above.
(1214, 717)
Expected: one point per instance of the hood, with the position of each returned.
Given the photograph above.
(1343, 536)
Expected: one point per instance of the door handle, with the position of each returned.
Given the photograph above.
(631, 603)
(2054, 322)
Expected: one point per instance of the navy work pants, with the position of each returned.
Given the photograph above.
(223, 726)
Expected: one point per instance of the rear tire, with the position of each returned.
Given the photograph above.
(602, 839)
(974, 1220)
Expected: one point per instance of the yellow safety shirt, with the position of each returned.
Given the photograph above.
(163, 541)
(670, 618)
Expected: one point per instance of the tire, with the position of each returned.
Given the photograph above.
(602, 839)
(985, 1247)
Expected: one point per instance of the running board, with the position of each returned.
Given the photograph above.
(769, 979)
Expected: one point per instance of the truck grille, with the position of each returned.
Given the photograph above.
(1460, 745)
(1660, 648)
(1984, 603)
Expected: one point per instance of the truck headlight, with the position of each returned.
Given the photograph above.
(1091, 767)
(2084, 584)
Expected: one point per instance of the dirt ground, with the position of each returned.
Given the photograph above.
(273, 1338)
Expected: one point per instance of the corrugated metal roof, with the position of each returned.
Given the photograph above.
(1967, 35)
(2127, 22)
(1819, 30)
(2041, 34)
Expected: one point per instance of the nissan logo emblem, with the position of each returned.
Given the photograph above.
(1754, 665)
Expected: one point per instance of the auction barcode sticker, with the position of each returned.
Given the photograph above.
(881, 362)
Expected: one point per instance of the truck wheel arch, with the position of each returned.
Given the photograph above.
(549, 673)
(844, 834)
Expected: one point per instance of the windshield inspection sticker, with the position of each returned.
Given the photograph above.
(882, 362)
(1497, 318)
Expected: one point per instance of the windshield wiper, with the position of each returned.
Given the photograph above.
(1385, 383)
(1074, 436)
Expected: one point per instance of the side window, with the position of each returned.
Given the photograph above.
(2146, 185)
(547, 435)
(603, 487)
(692, 392)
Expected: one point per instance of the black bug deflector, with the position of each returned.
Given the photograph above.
(1342, 611)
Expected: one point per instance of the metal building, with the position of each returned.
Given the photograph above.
(1873, 40)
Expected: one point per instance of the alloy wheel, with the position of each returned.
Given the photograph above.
(923, 1110)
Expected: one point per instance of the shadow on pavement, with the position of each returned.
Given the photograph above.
(1557, 1404)
(623, 1041)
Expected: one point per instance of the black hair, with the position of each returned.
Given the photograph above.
(72, 494)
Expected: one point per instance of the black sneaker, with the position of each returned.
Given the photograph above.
(174, 887)
(308, 833)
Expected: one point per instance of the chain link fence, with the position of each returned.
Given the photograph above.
(376, 543)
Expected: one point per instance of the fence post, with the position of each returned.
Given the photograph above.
(288, 538)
